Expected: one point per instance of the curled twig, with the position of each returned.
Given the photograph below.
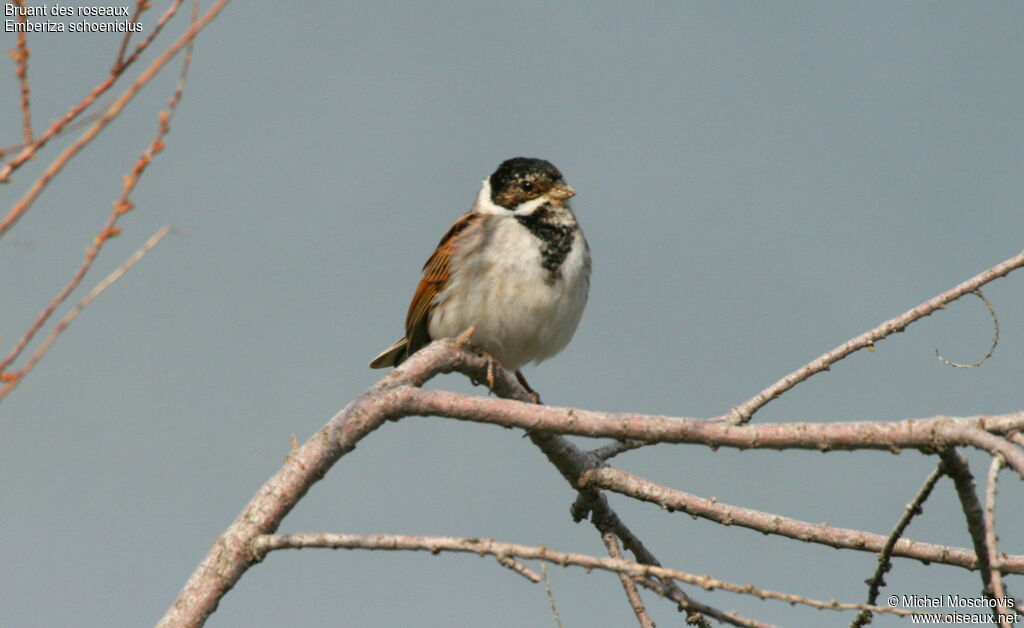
(995, 338)
(743, 412)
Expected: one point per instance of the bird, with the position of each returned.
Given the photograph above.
(515, 268)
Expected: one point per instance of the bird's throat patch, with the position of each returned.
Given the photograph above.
(556, 236)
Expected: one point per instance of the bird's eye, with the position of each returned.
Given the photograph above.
(527, 186)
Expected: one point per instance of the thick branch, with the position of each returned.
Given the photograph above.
(928, 435)
(395, 397)
(231, 556)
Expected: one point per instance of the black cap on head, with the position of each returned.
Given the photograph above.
(522, 178)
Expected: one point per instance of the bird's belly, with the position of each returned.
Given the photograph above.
(521, 311)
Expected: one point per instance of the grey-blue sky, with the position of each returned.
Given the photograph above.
(758, 183)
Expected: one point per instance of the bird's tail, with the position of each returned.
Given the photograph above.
(392, 356)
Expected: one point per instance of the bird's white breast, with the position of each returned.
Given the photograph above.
(522, 312)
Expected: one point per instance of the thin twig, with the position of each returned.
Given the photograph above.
(992, 542)
(73, 126)
(10, 382)
(121, 206)
(112, 112)
(743, 412)
(628, 585)
(20, 55)
(551, 596)
(140, 6)
(29, 151)
(995, 338)
(270, 542)
(877, 580)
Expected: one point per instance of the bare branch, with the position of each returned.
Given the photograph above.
(230, 557)
(122, 206)
(956, 467)
(571, 462)
(395, 397)
(995, 338)
(743, 412)
(769, 523)
(927, 435)
(914, 508)
(434, 544)
(140, 6)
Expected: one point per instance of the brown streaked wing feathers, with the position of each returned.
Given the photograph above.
(435, 276)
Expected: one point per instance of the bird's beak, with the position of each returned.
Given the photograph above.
(562, 192)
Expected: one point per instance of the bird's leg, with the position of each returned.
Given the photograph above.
(533, 394)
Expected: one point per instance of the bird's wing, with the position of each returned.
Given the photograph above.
(435, 276)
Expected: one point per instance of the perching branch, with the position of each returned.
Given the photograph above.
(926, 435)
(397, 396)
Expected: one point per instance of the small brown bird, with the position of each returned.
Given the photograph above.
(516, 268)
